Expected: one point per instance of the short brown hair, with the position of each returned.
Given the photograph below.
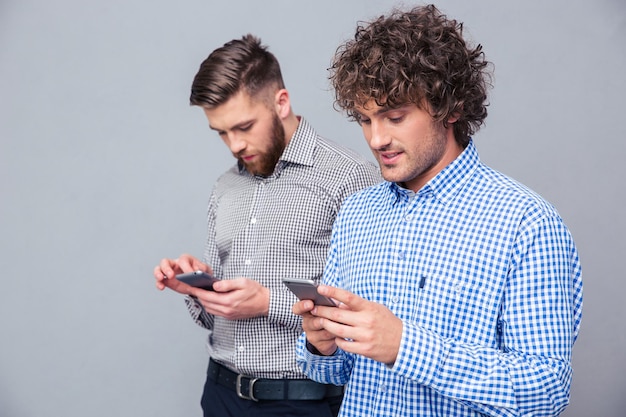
(418, 57)
(240, 64)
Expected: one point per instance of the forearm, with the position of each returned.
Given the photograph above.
(485, 379)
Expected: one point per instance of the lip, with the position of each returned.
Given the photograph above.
(390, 157)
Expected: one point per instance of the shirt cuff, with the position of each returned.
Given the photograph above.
(420, 356)
(280, 310)
(197, 312)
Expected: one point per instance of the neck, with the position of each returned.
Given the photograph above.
(290, 124)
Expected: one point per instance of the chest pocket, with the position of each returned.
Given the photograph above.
(455, 308)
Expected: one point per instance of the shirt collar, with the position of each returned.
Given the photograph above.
(301, 147)
(447, 183)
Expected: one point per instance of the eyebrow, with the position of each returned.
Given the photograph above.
(384, 109)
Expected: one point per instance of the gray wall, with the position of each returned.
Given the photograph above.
(105, 169)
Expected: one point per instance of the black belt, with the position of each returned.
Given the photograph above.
(250, 388)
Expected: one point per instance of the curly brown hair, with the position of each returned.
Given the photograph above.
(417, 57)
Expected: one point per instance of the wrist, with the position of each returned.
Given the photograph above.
(313, 349)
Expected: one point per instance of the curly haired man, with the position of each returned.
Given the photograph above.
(459, 289)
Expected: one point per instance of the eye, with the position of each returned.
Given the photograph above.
(245, 128)
(396, 120)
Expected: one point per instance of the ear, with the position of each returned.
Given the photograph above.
(282, 103)
(453, 118)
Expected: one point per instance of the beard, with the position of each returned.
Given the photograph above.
(418, 165)
(267, 161)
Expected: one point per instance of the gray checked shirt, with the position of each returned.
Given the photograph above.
(268, 228)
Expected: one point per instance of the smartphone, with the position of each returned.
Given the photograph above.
(198, 279)
(306, 289)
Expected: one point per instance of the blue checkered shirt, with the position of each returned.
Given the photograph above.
(487, 282)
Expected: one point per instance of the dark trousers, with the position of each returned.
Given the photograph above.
(218, 401)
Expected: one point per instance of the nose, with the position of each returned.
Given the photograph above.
(235, 143)
(376, 135)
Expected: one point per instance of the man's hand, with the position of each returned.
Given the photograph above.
(358, 326)
(165, 273)
(236, 299)
(322, 339)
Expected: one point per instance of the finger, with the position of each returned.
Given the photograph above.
(314, 329)
(188, 263)
(198, 265)
(302, 307)
(349, 345)
(342, 315)
(336, 328)
(184, 265)
(193, 291)
(227, 285)
(343, 296)
(158, 273)
(318, 336)
(159, 278)
(168, 268)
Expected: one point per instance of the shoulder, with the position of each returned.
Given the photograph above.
(506, 194)
(336, 154)
(373, 198)
(229, 179)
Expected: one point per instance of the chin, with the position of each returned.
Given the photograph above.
(389, 175)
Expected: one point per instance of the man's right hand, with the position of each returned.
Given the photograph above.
(165, 273)
(316, 335)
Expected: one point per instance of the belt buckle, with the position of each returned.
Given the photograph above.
(238, 385)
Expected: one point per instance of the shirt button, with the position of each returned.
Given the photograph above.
(395, 299)
(253, 220)
(241, 348)
(383, 388)
(409, 217)
(247, 262)
(401, 255)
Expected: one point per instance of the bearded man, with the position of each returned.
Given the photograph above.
(269, 217)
